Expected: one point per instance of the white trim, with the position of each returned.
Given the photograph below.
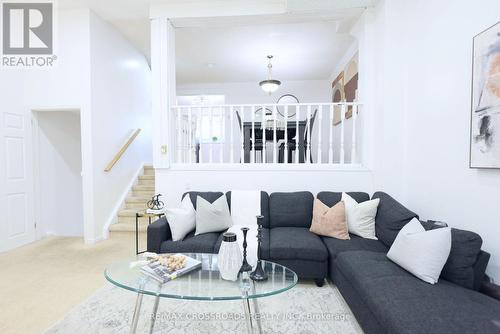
(119, 204)
(267, 167)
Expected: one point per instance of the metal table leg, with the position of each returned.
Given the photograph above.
(256, 311)
(153, 315)
(137, 311)
(155, 310)
(248, 315)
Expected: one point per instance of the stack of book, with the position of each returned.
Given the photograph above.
(163, 274)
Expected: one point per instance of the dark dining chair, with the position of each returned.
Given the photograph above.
(291, 142)
(255, 143)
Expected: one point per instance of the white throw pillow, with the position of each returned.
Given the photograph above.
(422, 253)
(214, 217)
(361, 216)
(181, 220)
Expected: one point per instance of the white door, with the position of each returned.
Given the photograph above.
(17, 226)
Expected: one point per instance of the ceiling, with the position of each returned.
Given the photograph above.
(302, 51)
(306, 40)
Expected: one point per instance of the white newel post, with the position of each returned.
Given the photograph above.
(163, 90)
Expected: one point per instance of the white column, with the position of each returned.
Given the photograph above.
(202, 145)
(353, 142)
(163, 89)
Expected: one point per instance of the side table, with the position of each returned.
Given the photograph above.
(141, 214)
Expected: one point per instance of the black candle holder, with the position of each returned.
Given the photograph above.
(259, 274)
(245, 266)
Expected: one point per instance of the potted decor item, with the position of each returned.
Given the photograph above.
(229, 258)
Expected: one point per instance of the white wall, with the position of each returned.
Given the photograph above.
(121, 102)
(173, 183)
(66, 85)
(102, 75)
(60, 164)
(250, 92)
(423, 114)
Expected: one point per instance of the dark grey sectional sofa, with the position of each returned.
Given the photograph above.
(384, 297)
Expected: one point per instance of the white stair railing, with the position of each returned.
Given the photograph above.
(317, 133)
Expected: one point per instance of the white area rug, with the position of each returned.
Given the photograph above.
(303, 309)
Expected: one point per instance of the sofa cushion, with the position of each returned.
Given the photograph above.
(203, 243)
(460, 266)
(291, 209)
(336, 246)
(331, 198)
(404, 304)
(391, 217)
(264, 206)
(291, 243)
(210, 196)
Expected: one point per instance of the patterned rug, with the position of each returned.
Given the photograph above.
(303, 309)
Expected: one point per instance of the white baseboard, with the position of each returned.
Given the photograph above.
(114, 213)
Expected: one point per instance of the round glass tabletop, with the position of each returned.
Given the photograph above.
(202, 284)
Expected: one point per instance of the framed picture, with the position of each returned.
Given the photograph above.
(485, 110)
(344, 88)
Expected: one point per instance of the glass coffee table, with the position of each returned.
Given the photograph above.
(203, 284)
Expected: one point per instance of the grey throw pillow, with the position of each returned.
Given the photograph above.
(212, 217)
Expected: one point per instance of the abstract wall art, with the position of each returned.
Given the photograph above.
(485, 113)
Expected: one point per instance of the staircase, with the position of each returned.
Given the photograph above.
(136, 200)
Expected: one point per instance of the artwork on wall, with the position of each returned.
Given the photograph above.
(345, 88)
(485, 113)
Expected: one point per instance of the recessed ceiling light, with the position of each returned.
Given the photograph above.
(210, 65)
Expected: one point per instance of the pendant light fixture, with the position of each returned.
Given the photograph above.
(269, 86)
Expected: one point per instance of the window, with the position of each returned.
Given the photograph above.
(208, 122)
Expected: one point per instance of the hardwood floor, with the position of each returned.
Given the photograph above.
(42, 281)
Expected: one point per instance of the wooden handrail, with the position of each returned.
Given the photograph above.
(122, 150)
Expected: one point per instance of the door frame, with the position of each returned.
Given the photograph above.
(40, 229)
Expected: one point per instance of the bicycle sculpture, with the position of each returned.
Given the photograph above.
(155, 203)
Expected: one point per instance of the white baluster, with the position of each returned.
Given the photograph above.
(211, 122)
(222, 134)
(231, 120)
(297, 133)
(190, 134)
(330, 136)
(242, 116)
(342, 119)
(253, 135)
(200, 136)
(179, 135)
(308, 146)
(353, 143)
(320, 125)
(285, 153)
(274, 135)
(264, 125)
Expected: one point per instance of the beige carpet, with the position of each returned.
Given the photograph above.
(41, 282)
